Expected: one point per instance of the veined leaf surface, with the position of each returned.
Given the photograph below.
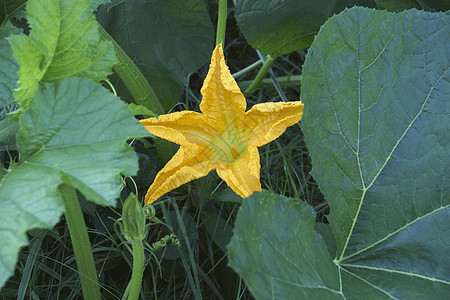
(276, 251)
(376, 122)
(63, 42)
(74, 133)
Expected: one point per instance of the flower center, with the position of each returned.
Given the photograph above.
(235, 153)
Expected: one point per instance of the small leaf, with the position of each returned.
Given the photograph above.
(63, 42)
(73, 133)
(166, 39)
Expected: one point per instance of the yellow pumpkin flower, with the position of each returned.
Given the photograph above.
(223, 137)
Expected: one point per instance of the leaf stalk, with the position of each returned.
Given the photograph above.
(261, 74)
(81, 244)
(221, 23)
(141, 90)
(138, 270)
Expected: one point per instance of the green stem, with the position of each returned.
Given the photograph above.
(81, 244)
(285, 81)
(138, 270)
(221, 23)
(142, 92)
(259, 77)
(247, 69)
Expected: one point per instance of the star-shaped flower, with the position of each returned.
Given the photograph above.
(223, 137)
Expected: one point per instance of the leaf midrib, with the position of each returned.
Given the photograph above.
(412, 274)
(342, 257)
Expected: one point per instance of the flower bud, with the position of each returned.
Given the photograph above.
(133, 219)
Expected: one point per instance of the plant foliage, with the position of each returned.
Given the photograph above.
(63, 42)
(166, 39)
(281, 27)
(375, 125)
(73, 133)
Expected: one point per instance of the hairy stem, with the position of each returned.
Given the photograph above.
(138, 270)
(293, 81)
(142, 92)
(247, 69)
(261, 74)
(221, 23)
(81, 244)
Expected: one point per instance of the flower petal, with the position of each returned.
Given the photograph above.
(188, 163)
(242, 176)
(182, 128)
(267, 121)
(223, 102)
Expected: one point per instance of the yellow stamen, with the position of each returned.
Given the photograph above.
(235, 153)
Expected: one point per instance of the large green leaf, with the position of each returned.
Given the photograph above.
(281, 27)
(376, 112)
(280, 256)
(166, 39)
(73, 133)
(63, 42)
(276, 251)
(376, 90)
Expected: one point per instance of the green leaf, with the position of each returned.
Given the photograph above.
(375, 86)
(276, 251)
(166, 39)
(73, 133)
(377, 99)
(8, 69)
(63, 42)
(281, 27)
